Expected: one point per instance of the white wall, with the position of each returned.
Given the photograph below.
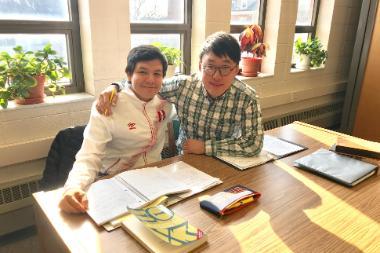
(283, 91)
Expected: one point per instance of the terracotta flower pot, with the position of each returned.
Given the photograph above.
(36, 93)
(250, 66)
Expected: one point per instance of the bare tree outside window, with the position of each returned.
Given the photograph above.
(245, 13)
(48, 10)
(165, 21)
(152, 11)
(305, 12)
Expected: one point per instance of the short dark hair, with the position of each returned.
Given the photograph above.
(145, 53)
(221, 44)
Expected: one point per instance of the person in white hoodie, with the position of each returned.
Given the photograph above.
(133, 136)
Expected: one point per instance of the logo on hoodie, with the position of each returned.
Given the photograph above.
(161, 115)
(131, 125)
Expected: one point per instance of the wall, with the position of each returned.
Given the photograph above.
(26, 132)
(366, 124)
(282, 90)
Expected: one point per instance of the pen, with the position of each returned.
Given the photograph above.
(111, 97)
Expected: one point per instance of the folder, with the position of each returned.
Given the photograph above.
(273, 148)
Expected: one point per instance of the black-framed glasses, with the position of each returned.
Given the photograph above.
(223, 70)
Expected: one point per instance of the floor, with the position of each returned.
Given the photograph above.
(23, 241)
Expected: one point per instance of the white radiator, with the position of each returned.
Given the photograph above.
(17, 183)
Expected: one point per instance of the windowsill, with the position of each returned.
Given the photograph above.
(49, 101)
(295, 70)
(260, 76)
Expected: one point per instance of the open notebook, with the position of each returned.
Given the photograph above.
(110, 198)
(273, 148)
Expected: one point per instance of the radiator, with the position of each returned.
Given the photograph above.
(325, 116)
(17, 184)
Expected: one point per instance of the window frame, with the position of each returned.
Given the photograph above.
(69, 28)
(310, 29)
(261, 23)
(184, 30)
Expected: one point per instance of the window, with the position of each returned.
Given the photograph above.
(307, 18)
(246, 12)
(165, 21)
(307, 15)
(33, 23)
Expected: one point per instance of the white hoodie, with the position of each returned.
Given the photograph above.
(133, 135)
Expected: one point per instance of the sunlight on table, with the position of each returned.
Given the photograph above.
(349, 223)
(260, 227)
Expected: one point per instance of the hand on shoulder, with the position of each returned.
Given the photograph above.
(106, 100)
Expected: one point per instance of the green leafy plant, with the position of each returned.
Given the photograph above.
(18, 72)
(173, 55)
(312, 48)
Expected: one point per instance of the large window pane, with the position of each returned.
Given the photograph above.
(156, 11)
(45, 10)
(34, 23)
(245, 12)
(304, 37)
(170, 40)
(305, 12)
(35, 42)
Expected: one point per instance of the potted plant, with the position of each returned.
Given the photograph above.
(310, 53)
(253, 49)
(173, 56)
(23, 75)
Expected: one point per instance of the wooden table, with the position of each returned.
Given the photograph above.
(298, 211)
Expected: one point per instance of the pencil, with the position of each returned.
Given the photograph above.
(111, 97)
